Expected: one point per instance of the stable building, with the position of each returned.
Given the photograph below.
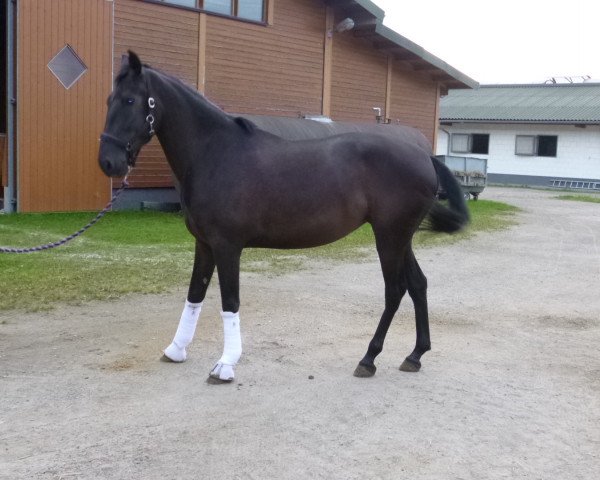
(331, 59)
(533, 134)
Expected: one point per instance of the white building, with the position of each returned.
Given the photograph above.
(545, 135)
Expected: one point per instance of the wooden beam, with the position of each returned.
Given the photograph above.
(436, 118)
(270, 12)
(441, 77)
(424, 66)
(327, 61)
(364, 28)
(402, 55)
(385, 45)
(388, 87)
(365, 33)
(336, 3)
(202, 52)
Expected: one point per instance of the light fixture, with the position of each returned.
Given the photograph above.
(345, 25)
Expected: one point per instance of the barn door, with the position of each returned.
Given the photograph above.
(64, 68)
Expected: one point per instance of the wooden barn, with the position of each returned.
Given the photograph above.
(282, 58)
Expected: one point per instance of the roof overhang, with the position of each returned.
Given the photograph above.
(368, 24)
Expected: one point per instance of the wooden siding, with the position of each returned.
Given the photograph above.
(359, 79)
(414, 99)
(274, 70)
(166, 38)
(58, 129)
(248, 68)
(278, 69)
(289, 67)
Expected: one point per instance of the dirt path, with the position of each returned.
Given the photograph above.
(510, 390)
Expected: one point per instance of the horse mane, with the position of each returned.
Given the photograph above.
(246, 125)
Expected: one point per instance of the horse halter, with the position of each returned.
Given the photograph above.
(131, 154)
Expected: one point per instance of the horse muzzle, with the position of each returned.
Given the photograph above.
(115, 156)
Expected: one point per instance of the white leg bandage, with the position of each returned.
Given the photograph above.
(232, 347)
(185, 332)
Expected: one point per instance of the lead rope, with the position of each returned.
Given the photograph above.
(49, 246)
(124, 185)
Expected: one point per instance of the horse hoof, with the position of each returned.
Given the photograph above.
(365, 371)
(410, 366)
(166, 359)
(221, 373)
(217, 381)
(174, 354)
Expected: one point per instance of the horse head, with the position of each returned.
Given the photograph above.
(129, 120)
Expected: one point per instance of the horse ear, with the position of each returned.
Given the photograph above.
(245, 124)
(134, 62)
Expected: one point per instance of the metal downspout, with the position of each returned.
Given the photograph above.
(448, 141)
(10, 191)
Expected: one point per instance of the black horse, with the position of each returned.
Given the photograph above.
(243, 187)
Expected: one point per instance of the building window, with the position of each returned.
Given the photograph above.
(460, 143)
(480, 143)
(547, 145)
(182, 3)
(67, 67)
(251, 9)
(470, 143)
(536, 145)
(219, 6)
(247, 9)
(525, 145)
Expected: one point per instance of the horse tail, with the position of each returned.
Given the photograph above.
(455, 216)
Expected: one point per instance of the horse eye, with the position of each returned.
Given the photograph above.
(129, 101)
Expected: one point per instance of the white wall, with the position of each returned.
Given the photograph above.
(578, 149)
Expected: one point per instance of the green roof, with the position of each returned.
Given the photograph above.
(571, 103)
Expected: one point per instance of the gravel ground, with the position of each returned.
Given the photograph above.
(510, 390)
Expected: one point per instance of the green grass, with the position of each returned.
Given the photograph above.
(124, 253)
(580, 198)
(148, 252)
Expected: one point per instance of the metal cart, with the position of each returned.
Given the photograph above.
(471, 173)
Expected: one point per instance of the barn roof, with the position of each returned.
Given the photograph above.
(572, 103)
(368, 20)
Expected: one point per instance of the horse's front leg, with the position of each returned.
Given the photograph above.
(228, 268)
(204, 266)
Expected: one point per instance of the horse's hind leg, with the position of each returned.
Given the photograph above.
(390, 251)
(204, 266)
(417, 289)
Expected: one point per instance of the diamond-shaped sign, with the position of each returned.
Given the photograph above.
(67, 67)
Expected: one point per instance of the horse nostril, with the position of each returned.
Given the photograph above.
(107, 165)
